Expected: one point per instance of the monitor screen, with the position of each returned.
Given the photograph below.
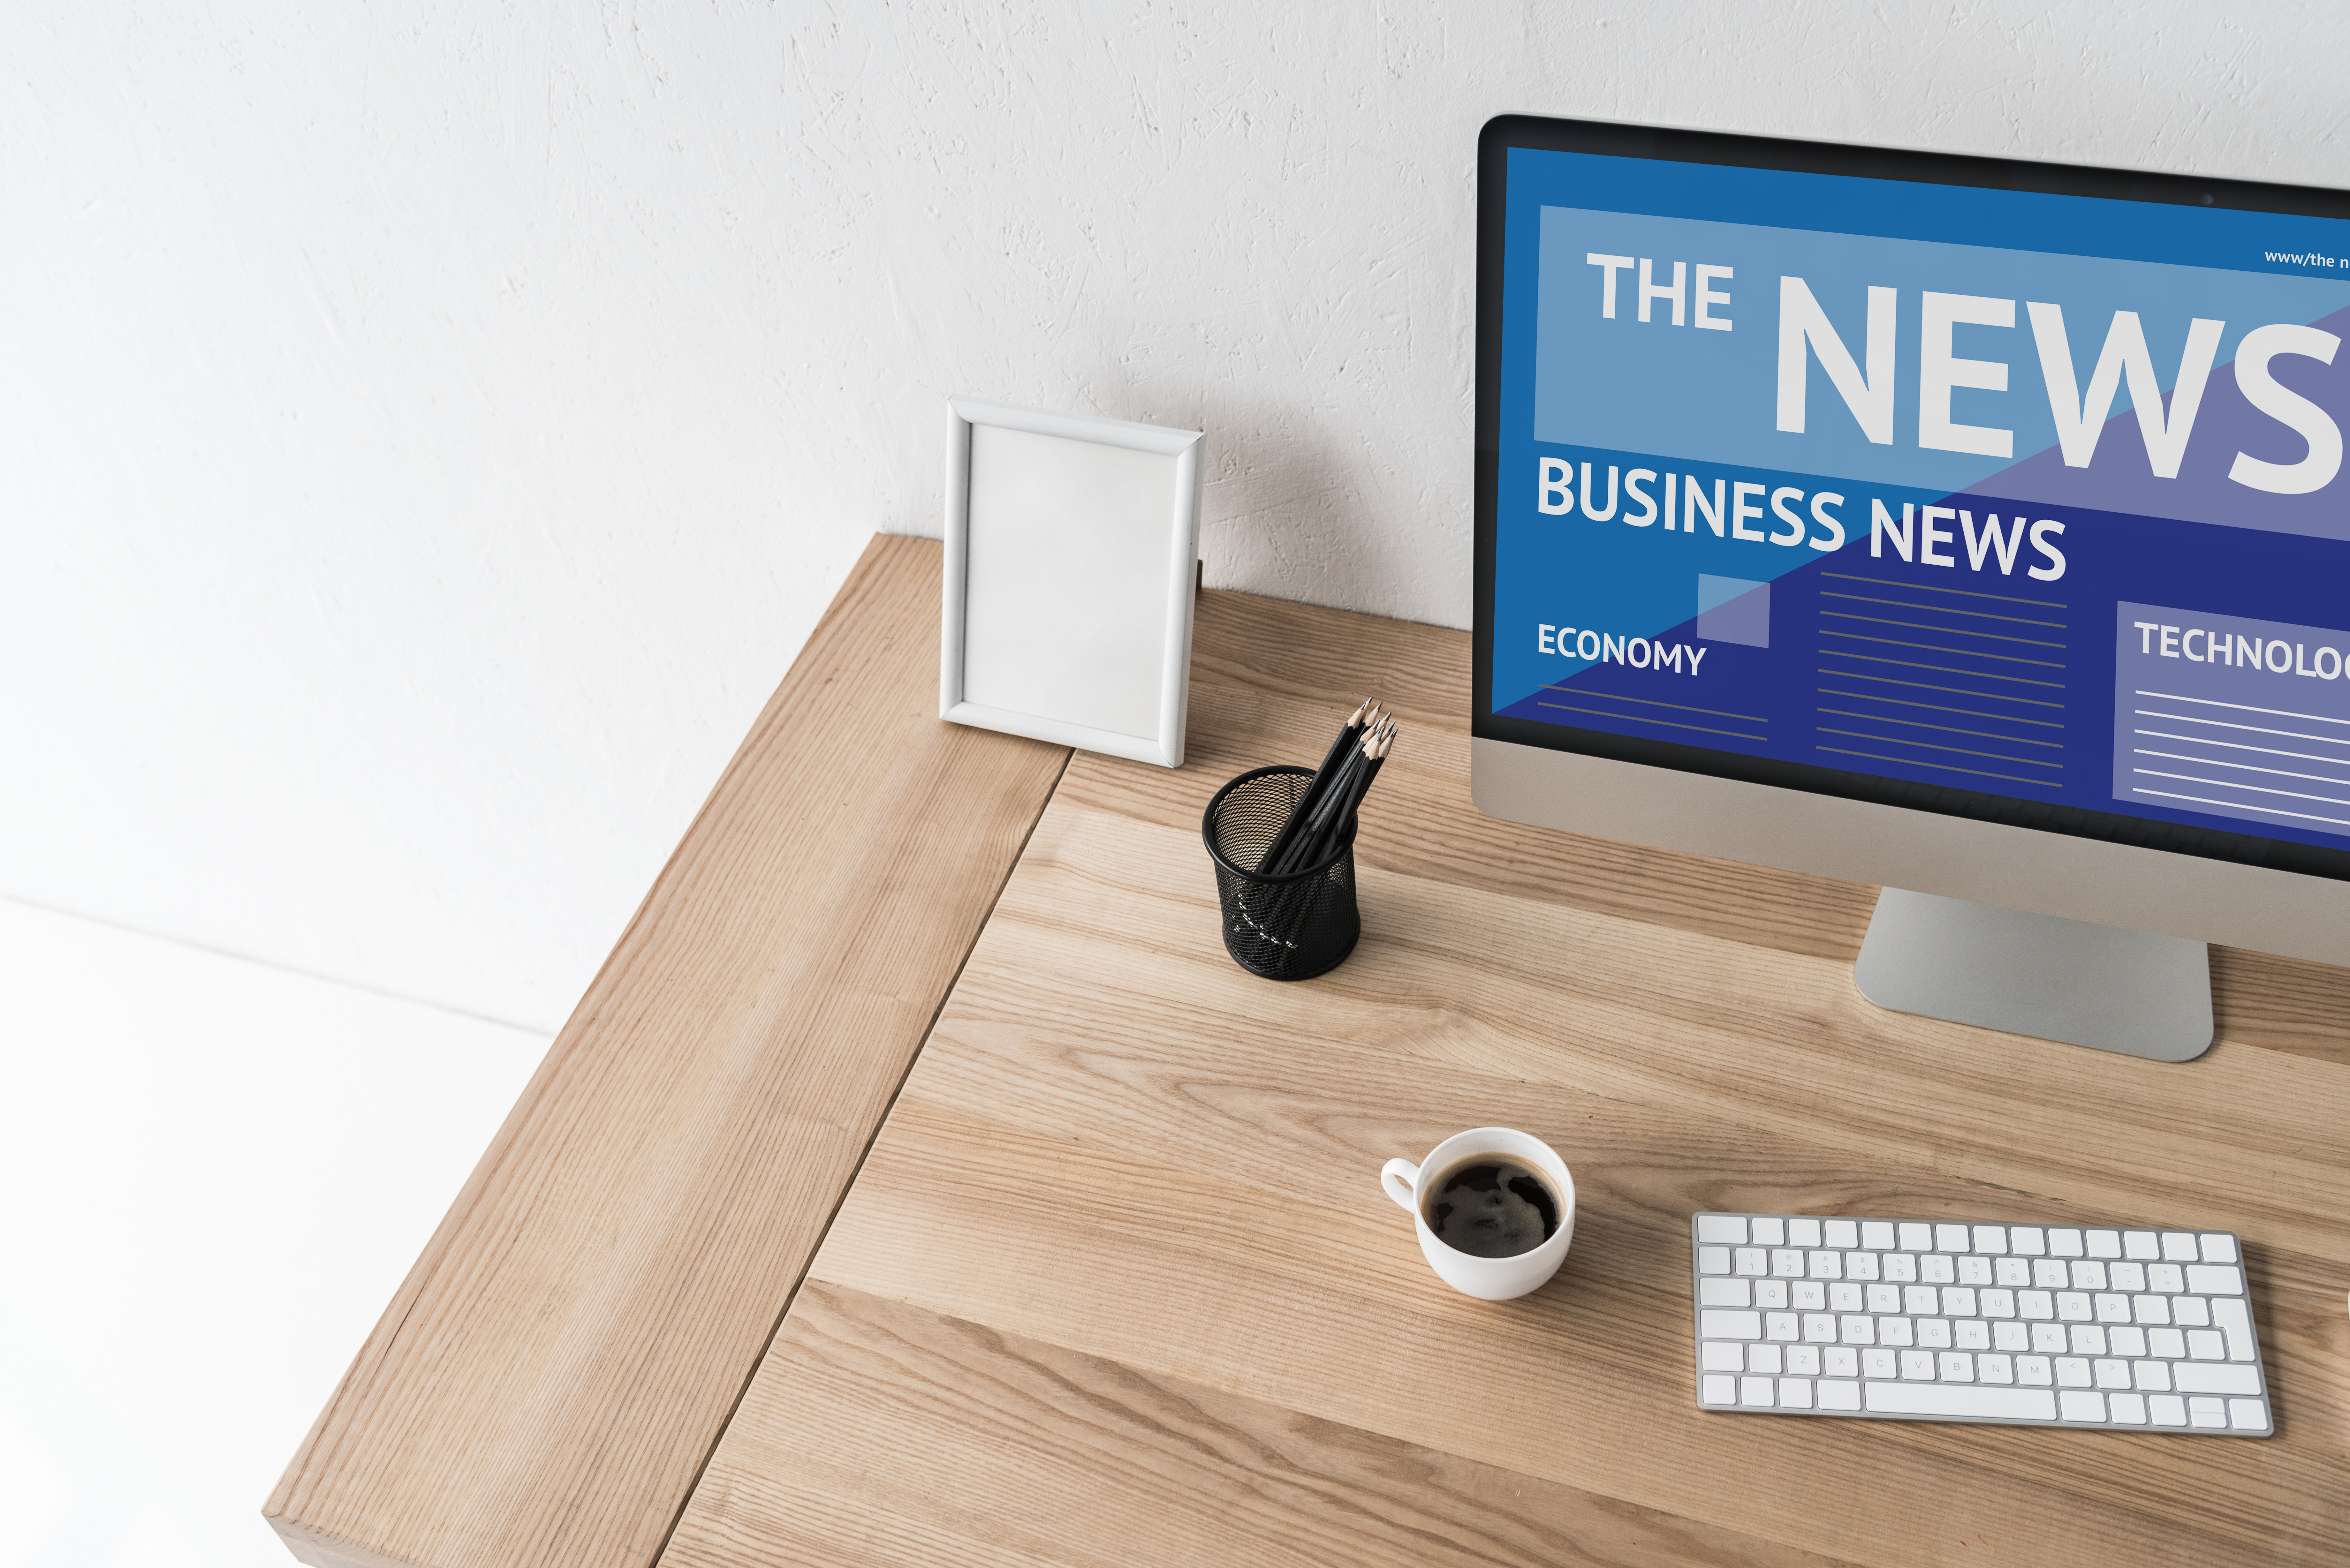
(2003, 489)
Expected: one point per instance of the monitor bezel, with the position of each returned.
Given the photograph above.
(1611, 139)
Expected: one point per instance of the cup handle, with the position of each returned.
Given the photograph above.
(1399, 1177)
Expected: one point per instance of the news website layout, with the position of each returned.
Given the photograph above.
(2036, 496)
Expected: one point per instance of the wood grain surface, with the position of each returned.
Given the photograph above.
(1117, 1282)
(551, 1377)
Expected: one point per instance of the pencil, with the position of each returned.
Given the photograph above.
(1357, 720)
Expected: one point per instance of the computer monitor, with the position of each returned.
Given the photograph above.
(1972, 527)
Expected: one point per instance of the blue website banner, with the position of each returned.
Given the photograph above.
(1884, 477)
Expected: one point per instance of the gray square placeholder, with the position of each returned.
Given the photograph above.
(1733, 609)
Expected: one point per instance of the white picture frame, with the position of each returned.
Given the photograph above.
(1072, 544)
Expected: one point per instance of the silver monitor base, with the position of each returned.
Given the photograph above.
(2131, 992)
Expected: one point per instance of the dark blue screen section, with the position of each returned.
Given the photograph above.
(2034, 495)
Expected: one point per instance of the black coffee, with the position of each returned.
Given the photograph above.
(1491, 1206)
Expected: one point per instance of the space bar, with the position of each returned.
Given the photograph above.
(1959, 1399)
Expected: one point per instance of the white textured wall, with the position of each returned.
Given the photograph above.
(428, 430)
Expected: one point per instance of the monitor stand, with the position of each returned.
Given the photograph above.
(2131, 992)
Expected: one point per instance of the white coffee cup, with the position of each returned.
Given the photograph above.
(1488, 1279)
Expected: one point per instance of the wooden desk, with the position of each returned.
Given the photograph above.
(1116, 1283)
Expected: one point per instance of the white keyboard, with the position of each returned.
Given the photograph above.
(2053, 1326)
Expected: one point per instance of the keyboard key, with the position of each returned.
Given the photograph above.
(2190, 1311)
(1840, 1234)
(2072, 1306)
(2079, 1406)
(2150, 1309)
(2034, 1303)
(1722, 1356)
(2127, 1277)
(2111, 1373)
(1803, 1233)
(2140, 1244)
(2126, 1340)
(1713, 1260)
(1836, 1396)
(2010, 1335)
(1884, 1298)
(2247, 1415)
(2168, 1410)
(1845, 1298)
(1993, 1367)
(1920, 1299)
(1937, 1269)
(1901, 1268)
(1755, 1391)
(1973, 1271)
(1876, 1235)
(1786, 1263)
(2169, 1278)
(1860, 1266)
(2035, 1369)
(2104, 1243)
(2219, 1248)
(1997, 1303)
(1768, 1232)
(2170, 1343)
(1780, 1325)
(1950, 1238)
(1857, 1329)
(1991, 1238)
(1718, 1390)
(2128, 1410)
(1819, 1327)
(1804, 1360)
(1934, 1332)
(2086, 1339)
(2236, 1321)
(1917, 1238)
(2050, 1338)
(1957, 1367)
(2012, 1271)
(1960, 1400)
(2207, 1413)
(2205, 1345)
(1728, 1229)
(2211, 1280)
(1809, 1295)
(1970, 1333)
(2178, 1246)
(2216, 1377)
(1725, 1293)
(2088, 1275)
(1794, 1393)
(1918, 1364)
(1840, 1361)
(2073, 1371)
(1770, 1293)
(2028, 1240)
(1895, 1331)
(2065, 1243)
(1730, 1324)
(2112, 1308)
(1824, 1265)
(2152, 1375)
(2050, 1273)
(1958, 1300)
(1762, 1357)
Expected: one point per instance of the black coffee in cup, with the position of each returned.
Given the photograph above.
(1492, 1206)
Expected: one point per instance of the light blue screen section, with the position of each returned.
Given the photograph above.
(1681, 391)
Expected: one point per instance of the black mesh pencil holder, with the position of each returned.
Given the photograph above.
(1283, 928)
